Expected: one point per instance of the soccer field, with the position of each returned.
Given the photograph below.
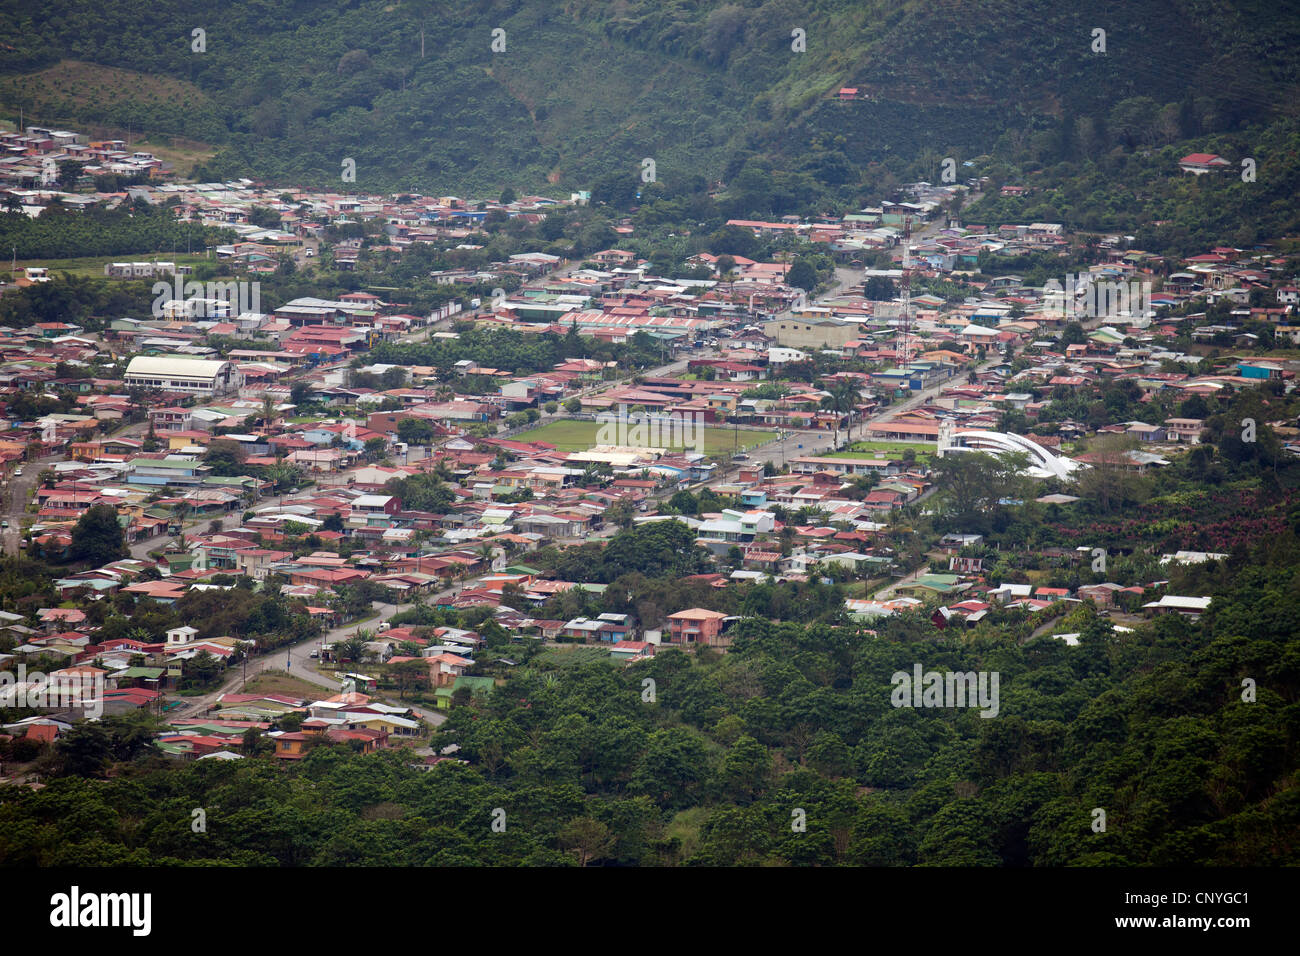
(569, 435)
(884, 449)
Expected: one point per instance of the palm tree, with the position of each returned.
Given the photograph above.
(842, 400)
(180, 511)
(281, 474)
(352, 648)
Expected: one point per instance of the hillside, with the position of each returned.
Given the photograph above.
(415, 94)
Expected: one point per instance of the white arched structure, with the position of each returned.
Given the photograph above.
(1042, 463)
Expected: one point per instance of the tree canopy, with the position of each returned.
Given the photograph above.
(97, 537)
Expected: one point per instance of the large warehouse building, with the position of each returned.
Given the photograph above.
(175, 373)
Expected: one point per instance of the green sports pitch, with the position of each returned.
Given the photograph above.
(571, 435)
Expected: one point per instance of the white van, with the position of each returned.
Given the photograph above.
(382, 627)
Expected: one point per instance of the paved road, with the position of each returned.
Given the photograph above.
(18, 493)
(299, 663)
(300, 257)
(846, 278)
(199, 526)
(887, 593)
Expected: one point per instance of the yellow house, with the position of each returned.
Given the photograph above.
(291, 746)
(178, 440)
(943, 355)
(400, 726)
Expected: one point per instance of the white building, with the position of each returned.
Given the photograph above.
(174, 373)
(1042, 463)
(180, 636)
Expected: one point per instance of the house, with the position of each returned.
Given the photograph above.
(1260, 370)
(697, 626)
(614, 257)
(607, 627)
(1146, 433)
(291, 746)
(978, 335)
(929, 585)
(1198, 164)
(166, 471)
(373, 511)
(614, 627)
(628, 651)
(1192, 607)
(445, 668)
(256, 563)
(58, 618)
(1184, 429)
(1103, 595)
(180, 636)
(170, 419)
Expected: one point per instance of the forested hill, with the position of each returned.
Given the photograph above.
(415, 94)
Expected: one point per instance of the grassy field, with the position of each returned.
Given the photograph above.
(892, 447)
(93, 266)
(280, 682)
(924, 451)
(59, 94)
(569, 435)
(575, 655)
(921, 456)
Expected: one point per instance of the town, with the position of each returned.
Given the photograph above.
(355, 518)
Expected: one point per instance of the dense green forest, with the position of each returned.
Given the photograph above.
(1098, 185)
(711, 763)
(416, 94)
(518, 352)
(60, 232)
